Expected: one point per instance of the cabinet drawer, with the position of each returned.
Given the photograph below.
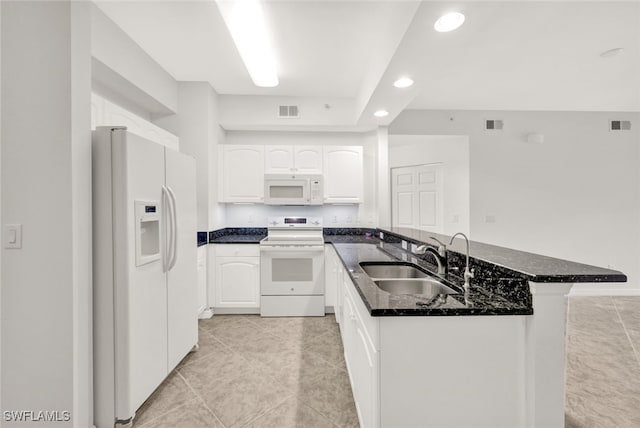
(237, 250)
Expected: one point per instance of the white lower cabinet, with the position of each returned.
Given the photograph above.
(360, 340)
(331, 279)
(203, 305)
(237, 276)
(434, 371)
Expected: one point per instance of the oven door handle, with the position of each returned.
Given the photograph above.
(292, 248)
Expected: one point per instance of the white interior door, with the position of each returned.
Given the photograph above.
(182, 278)
(417, 197)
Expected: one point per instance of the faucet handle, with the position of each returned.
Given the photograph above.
(442, 247)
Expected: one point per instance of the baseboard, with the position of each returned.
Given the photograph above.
(611, 289)
(235, 311)
(329, 310)
(206, 314)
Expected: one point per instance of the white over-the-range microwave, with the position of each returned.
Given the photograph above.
(293, 189)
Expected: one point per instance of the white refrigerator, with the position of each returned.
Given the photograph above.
(144, 272)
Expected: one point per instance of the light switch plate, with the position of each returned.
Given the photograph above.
(12, 236)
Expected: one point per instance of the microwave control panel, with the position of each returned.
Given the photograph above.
(316, 191)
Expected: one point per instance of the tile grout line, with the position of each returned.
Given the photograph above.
(261, 414)
(626, 332)
(155, 418)
(201, 399)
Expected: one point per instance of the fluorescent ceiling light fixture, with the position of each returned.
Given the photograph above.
(449, 22)
(246, 24)
(403, 82)
(381, 113)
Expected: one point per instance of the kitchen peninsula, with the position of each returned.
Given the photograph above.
(491, 357)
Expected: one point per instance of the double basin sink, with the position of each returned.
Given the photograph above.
(404, 278)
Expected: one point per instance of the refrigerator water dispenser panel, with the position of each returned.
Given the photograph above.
(147, 232)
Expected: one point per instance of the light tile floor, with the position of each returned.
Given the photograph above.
(603, 363)
(257, 372)
(290, 372)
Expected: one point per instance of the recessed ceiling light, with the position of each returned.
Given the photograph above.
(248, 29)
(381, 113)
(403, 82)
(611, 52)
(449, 22)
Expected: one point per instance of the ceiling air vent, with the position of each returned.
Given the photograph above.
(493, 124)
(288, 112)
(620, 125)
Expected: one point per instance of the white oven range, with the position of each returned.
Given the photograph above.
(292, 268)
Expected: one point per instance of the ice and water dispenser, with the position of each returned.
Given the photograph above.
(147, 232)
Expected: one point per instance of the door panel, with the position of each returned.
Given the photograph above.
(428, 209)
(405, 209)
(141, 299)
(278, 159)
(182, 279)
(308, 159)
(417, 197)
(238, 282)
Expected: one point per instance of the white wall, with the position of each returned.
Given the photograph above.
(576, 196)
(46, 179)
(260, 112)
(361, 215)
(126, 74)
(453, 152)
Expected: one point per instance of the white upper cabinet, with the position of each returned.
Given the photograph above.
(241, 173)
(278, 159)
(293, 159)
(343, 171)
(307, 159)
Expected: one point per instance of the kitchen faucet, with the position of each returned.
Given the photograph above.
(467, 273)
(440, 255)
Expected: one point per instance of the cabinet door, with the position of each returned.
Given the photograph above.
(242, 173)
(343, 174)
(330, 269)
(202, 278)
(237, 282)
(278, 160)
(308, 159)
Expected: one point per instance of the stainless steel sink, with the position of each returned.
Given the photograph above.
(427, 286)
(388, 270)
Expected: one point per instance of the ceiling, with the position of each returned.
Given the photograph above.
(507, 56)
(322, 48)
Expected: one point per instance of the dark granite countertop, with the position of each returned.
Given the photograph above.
(535, 267)
(238, 235)
(242, 235)
(479, 301)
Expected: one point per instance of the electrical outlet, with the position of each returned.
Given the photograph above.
(334, 219)
(414, 247)
(404, 245)
(381, 235)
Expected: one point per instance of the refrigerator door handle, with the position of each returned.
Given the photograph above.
(174, 229)
(166, 256)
